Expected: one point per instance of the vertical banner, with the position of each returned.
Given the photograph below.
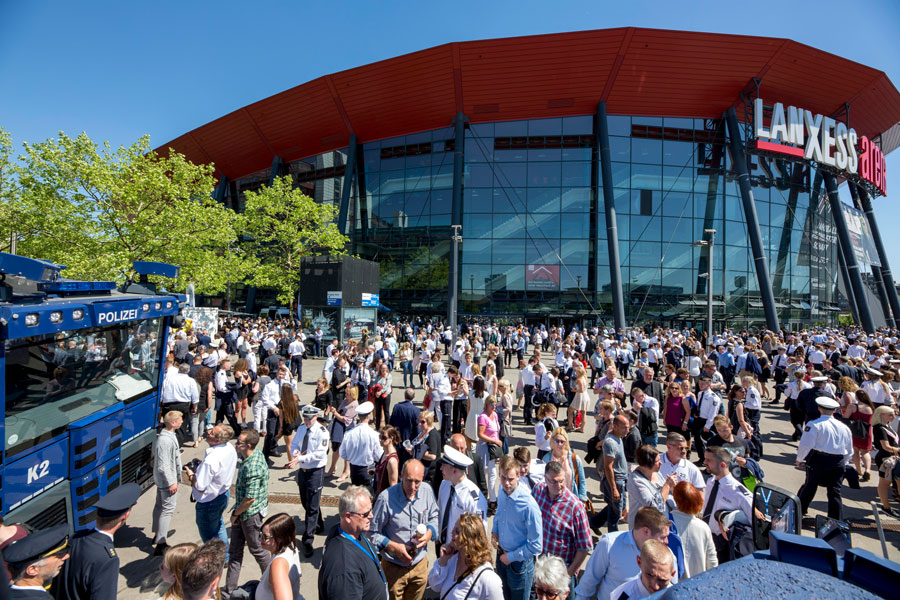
(860, 236)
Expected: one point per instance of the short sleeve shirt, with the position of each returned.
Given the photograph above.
(612, 446)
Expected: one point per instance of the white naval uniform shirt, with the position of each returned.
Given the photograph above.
(683, 469)
(732, 495)
(828, 435)
(709, 406)
(360, 446)
(468, 498)
(316, 455)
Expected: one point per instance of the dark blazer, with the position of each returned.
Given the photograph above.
(92, 571)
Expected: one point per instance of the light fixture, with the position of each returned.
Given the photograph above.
(31, 319)
(78, 314)
(56, 316)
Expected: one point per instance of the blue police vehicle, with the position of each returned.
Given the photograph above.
(81, 366)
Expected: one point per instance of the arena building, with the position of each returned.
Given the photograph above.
(584, 175)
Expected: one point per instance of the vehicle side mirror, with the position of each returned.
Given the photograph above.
(780, 510)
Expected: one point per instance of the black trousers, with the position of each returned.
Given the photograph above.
(310, 483)
(272, 431)
(528, 392)
(459, 415)
(297, 367)
(723, 550)
(361, 476)
(699, 435)
(446, 420)
(507, 355)
(823, 470)
(382, 402)
(183, 433)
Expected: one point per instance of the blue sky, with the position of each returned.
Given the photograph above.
(118, 70)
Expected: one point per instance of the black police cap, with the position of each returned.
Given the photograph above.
(38, 545)
(118, 501)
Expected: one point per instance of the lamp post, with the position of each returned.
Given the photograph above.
(710, 245)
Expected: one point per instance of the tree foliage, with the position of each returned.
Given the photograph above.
(282, 225)
(97, 210)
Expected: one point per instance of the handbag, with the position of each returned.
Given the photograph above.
(859, 429)
(494, 451)
(887, 466)
(426, 402)
(588, 505)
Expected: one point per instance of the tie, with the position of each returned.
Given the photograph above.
(711, 502)
(446, 519)
(305, 443)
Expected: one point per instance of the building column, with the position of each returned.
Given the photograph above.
(459, 124)
(712, 197)
(219, 191)
(759, 254)
(845, 277)
(886, 276)
(601, 139)
(846, 248)
(347, 186)
(275, 170)
(798, 180)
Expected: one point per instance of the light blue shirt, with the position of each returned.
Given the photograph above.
(613, 561)
(518, 524)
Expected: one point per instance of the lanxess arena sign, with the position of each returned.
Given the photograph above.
(799, 133)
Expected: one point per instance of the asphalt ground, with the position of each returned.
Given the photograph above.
(140, 577)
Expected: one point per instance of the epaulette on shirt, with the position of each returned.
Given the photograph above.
(474, 495)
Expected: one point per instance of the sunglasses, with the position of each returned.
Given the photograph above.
(365, 515)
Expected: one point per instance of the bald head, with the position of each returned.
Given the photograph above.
(458, 441)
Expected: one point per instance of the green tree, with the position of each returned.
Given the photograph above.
(8, 189)
(97, 210)
(282, 225)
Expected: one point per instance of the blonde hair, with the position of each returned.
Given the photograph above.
(560, 432)
(174, 561)
(473, 541)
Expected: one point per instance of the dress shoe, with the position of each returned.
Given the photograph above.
(307, 549)
(160, 549)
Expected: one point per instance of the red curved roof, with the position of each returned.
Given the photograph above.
(637, 71)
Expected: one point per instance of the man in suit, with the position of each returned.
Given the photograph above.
(92, 571)
(35, 560)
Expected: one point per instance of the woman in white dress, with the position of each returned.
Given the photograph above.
(281, 579)
(490, 379)
(582, 402)
(464, 569)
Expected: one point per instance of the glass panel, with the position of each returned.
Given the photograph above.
(677, 153)
(475, 250)
(645, 254)
(676, 281)
(511, 128)
(576, 200)
(576, 173)
(618, 125)
(544, 127)
(509, 252)
(544, 154)
(578, 125)
(478, 175)
(511, 174)
(53, 380)
(648, 177)
(477, 200)
(620, 148)
(476, 226)
(543, 200)
(544, 225)
(645, 150)
(544, 175)
(575, 251)
(621, 172)
(508, 225)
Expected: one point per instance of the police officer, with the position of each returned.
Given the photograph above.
(361, 448)
(309, 450)
(35, 560)
(457, 494)
(826, 447)
(92, 571)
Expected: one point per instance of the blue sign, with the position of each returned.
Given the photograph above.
(333, 298)
(35, 473)
(370, 299)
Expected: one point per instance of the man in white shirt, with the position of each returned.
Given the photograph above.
(673, 461)
(360, 447)
(724, 494)
(211, 483)
(709, 402)
(296, 350)
(180, 392)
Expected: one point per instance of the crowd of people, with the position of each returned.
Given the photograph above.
(441, 466)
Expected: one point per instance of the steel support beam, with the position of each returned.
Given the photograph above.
(347, 186)
(219, 192)
(846, 248)
(845, 277)
(601, 139)
(459, 124)
(886, 276)
(275, 170)
(753, 232)
(712, 198)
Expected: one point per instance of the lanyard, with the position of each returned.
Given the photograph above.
(371, 555)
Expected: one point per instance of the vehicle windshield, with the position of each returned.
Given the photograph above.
(53, 380)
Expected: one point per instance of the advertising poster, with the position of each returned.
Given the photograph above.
(542, 278)
(203, 318)
(326, 318)
(357, 319)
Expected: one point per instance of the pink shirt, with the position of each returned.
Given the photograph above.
(490, 424)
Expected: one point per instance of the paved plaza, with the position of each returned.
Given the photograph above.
(140, 579)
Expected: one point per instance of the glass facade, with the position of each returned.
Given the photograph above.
(535, 234)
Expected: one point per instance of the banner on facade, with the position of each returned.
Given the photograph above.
(860, 236)
(542, 278)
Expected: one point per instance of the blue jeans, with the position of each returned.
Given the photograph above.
(209, 519)
(407, 371)
(517, 578)
(650, 439)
